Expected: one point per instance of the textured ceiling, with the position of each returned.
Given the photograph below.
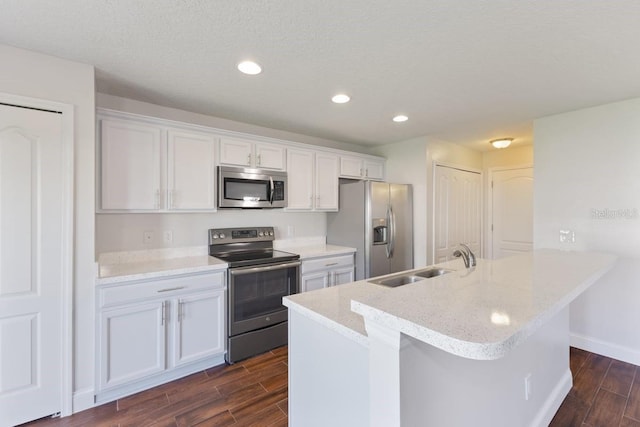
(464, 71)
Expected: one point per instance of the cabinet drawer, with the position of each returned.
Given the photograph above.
(326, 263)
(161, 288)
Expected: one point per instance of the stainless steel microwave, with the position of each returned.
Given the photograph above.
(251, 188)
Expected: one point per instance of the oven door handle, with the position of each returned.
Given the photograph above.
(250, 270)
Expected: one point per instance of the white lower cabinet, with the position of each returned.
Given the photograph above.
(324, 271)
(151, 332)
(194, 338)
(133, 339)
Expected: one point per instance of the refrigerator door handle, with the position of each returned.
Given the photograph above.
(391, 226)
(392, 233)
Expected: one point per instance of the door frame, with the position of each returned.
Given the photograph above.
(432, 225)
(66, 291)
(489, 202)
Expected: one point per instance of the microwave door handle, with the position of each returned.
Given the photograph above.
(272, 190)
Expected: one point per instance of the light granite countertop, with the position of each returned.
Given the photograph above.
(311, 247)
(479, 313)
(116, 267)
(317, 251)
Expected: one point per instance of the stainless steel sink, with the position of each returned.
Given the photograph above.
(406, 278)
(432, 272)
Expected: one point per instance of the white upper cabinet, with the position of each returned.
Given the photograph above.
(374, 169)
(269, 156)
(131, 160)
(312, 180)
(150, 167)
(361, 168)
(191, 171)
(156, 165)
(240, 152)
(326, 182)
(300, 179)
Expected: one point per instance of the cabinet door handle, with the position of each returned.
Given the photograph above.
(259, 160)
(177, 288)
(180, 310)
(164, 310)
(330, 264)
(366, 172)
(249, 159)
(361, 174)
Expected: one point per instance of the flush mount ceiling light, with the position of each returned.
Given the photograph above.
(502, 142)
(340, 98)
(249, 67)
(400, 118)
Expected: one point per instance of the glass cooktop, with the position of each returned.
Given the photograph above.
(248, 258)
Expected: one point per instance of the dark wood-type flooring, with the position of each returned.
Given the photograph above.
(606, 392)
(248, 393)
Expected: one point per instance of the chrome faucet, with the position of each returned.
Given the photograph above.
(467, 256)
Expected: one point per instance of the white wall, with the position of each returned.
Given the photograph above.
(123, 232)
(585, 160)
(39, 76)
(507, 157)
(412, 162)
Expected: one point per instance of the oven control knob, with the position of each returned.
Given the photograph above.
(260, 234)
(271, 233)
(222, 236)
(215, 236)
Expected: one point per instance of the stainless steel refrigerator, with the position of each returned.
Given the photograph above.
(376, 218)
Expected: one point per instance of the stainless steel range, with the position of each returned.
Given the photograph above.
(258, 278)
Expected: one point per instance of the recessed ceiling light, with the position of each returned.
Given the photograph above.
(249, 67)
(400, 118)
(341, 98)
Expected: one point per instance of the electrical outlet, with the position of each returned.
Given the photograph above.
(147, 237)
(567, 236)
(527, 387)
(167, 236)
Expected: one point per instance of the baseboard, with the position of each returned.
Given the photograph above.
(605, 348)
(119, 391)
(553, 402)
(83, 399)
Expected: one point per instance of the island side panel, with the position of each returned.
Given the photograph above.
(438, 388)
(328, 376)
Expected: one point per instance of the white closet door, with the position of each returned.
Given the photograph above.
(458, 211)
(512, 212)
(32, 260)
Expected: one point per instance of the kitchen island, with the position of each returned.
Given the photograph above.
(482, 346)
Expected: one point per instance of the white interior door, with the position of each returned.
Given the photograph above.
(512, 212)
(457, 211)
(32, 262)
